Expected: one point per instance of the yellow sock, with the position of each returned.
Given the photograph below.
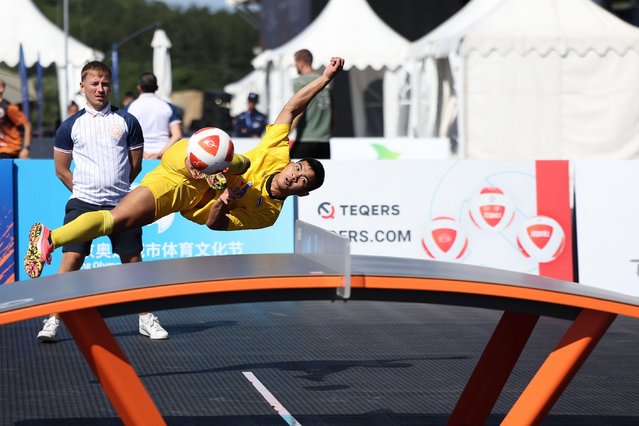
(239, 165)
(84, 228)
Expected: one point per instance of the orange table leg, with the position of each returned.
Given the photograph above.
(116, 375)
(493, 369)
(559, 368)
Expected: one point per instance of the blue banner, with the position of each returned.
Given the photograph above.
(7, 253)
(42, 198)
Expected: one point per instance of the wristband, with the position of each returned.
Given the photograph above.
(28, 148)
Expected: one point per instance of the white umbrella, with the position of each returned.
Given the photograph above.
(162, 63)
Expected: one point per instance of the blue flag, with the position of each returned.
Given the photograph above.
(22, 67)
(40, 95)
(114, 74)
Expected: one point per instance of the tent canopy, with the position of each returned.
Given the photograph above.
(535, 79)
(447, 36)
(42, 40)
(515, 25)
(349, 29)
(352, 30)
(578, 26)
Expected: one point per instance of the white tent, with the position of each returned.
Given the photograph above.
(350, 29)
(532, 79)
(42, 40)
(432, 100)
(254, 82)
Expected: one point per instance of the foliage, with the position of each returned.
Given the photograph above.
(209, 49)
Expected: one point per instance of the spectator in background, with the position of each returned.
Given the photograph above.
(127, 99)
(250, 123)
(12, 144)
(160, 121)
(106, 145)
(71, 109)
(315, 124)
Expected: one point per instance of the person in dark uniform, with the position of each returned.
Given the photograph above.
(250, 123)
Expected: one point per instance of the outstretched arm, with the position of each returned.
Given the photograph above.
(300, 100)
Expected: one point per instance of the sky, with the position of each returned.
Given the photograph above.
(211, 4)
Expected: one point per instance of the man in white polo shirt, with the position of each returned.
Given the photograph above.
(106, 145)
(160, 121)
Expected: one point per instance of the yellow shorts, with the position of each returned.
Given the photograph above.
(173, 191)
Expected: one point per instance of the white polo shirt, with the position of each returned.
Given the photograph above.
(99, 142)
(155, 116)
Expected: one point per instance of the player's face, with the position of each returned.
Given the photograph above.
(295, 179)
(96, 88)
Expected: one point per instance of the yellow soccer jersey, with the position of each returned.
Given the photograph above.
(173, 158)
(173, 187)
(256, 209)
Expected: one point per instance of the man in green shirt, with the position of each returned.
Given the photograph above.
(315, 124)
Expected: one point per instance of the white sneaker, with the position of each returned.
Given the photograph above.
(152, 328)
(49, 331)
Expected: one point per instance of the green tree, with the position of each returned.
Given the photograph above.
(209, 49)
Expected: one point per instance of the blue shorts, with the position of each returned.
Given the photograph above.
(125, 243)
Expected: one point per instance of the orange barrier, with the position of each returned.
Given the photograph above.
(112, 368)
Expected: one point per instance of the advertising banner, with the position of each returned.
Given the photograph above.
(607, 207)
(390, 149)
(512, 215)
(375, 148)
(42, 198)
(7, 246)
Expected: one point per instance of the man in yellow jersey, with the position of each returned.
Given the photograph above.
(251, 198)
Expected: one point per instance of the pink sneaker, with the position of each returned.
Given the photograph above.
(39, 251)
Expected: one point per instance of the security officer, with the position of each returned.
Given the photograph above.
(250, 123)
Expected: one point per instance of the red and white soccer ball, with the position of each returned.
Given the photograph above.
(491, 209)
(541, 238)
(444, 239)
(210, 150)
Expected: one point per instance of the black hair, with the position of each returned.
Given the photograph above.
(148, 82)
(318, 171)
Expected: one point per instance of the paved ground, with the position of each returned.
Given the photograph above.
(355, 363)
